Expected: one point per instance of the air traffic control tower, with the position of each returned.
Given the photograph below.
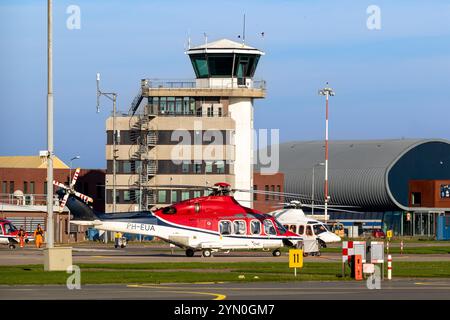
(220, 99)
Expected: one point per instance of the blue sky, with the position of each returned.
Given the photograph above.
(389, 83)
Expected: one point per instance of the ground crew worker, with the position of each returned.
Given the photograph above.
(21, 235)
(117, 236)
(38, 236)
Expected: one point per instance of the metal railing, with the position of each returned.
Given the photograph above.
(208, 83)
(27, 199)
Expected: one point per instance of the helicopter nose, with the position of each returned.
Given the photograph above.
(335, 237)
(330, 237)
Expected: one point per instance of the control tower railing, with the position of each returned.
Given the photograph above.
(215, 83)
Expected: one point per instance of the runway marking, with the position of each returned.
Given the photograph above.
(432, 283)
(92, 250)
(217, 296)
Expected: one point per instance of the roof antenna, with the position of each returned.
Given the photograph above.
(189, 39)
(206, 38)
(243, 33)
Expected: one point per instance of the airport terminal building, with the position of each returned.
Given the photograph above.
(395, 184)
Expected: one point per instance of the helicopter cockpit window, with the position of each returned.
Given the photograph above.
(9, 228)
(239, 227)
(309, 230)
(281, 229)
(169, 210)
(255, 227)
(319, 228)
(269, 228)
(225, 227)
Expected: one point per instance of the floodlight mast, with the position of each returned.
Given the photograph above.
(327, 91)
(111, 96)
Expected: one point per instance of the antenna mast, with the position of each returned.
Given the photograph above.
(243, 32)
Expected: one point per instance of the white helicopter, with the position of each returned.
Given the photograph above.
(292, 217)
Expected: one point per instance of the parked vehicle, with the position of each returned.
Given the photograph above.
(378, 233)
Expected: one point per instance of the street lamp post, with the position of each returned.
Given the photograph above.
(327, 91)
(312, 191)
(70, 179)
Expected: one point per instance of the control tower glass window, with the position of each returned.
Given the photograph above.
(200, 66)
(220, 65)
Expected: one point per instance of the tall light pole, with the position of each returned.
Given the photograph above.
(111, 96)
(312, 191)
(50, 231)
(70, 179)
(327, 91)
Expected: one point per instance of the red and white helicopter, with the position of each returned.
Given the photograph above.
(212, 223)
(9, 234)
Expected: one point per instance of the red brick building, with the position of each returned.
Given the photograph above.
(23, 189)
(429, 193)
(272, 183)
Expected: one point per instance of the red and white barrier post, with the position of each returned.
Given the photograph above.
(389, 267)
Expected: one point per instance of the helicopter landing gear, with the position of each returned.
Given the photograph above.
(189, 253)
(276, 253)
(12, 246)
(206, 253)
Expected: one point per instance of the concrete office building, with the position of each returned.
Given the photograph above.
(212, 116)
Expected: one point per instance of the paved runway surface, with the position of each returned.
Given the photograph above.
(148, 254)
(408, 289)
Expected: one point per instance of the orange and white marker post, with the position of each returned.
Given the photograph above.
(389, 267)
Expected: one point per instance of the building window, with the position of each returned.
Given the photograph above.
(197, 168)
(279, 191)
(4, 187)
(25, 187)
(445, 191)
(416, 198)
(272, 188)
(219, 112)
(162, 196)
(185, 167)
(266, 196)
(11, 187)
(32, 187)
(208, 167)
(184, 195)
(220, 167)
(127, 167)
(45, 187)
(255, 195)
(173, 196)
(210, 111)
(127, 195)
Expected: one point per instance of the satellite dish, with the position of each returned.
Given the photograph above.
(18, 193)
